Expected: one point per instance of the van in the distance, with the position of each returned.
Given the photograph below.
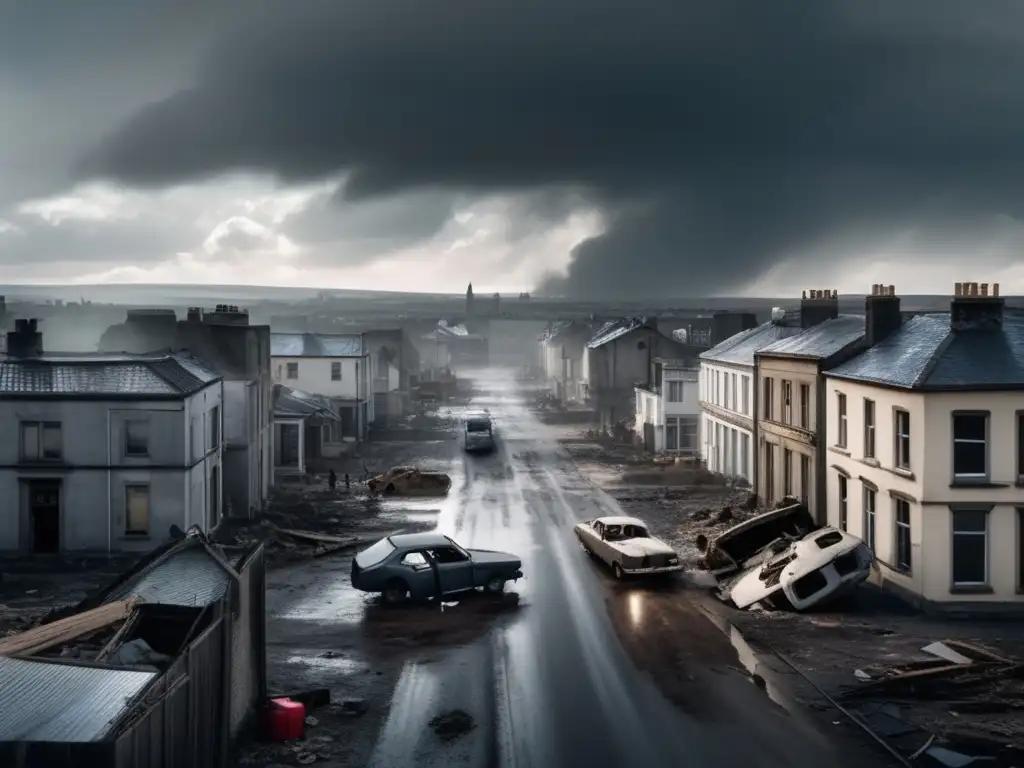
(478, 433)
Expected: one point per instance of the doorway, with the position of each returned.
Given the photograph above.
(44, 515)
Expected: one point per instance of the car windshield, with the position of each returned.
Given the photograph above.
(375, 554)
(478, 425)
(622, 532)
(461, 549)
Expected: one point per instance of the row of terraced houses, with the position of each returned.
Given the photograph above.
(904, 429)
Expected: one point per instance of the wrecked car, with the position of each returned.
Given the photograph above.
(418, 566)
(410, 481)
(626, 546)
(783, 559)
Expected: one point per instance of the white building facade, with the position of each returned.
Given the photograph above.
(333, 365)
(110, 459)
(726, 434)
(668, 415)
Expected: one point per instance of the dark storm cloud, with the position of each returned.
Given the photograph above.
(717, 137)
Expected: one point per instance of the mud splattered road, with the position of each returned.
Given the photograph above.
(573, 669)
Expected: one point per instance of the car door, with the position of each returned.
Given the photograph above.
(418, 573)
(596, 541)
(454, 567)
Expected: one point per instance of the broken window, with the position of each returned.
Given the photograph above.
(903, 561)
(869, 517)
(335, 371)
(136, 438)
(970, 547)
(841, 423)
(869, 429)
(41, 440)
(293, 370)
(970, 446)
(843, 491)
(136, 510)
(447, 555)
(805, 407)
(787, 402)
(902, 448)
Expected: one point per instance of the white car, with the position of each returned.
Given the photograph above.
(627, 547)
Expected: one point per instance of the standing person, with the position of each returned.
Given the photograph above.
(332, 480)
(348, 483)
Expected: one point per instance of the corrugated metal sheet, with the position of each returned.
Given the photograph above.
(298, 403)
(58, 702)
(613, 330)
(316, 345)
(190, 577)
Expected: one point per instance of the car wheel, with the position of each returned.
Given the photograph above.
(389, 489)
(495, 586)
(619, 573)
(395, 592)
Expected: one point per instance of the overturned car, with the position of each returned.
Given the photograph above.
(784, 560)
(410, 481)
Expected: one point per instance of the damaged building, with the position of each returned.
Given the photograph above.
(165, 668)
(562, 347)
(301, 420)
(107, 452)
(239, 352)
(668, 409)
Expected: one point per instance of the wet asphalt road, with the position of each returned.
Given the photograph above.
(589, 672)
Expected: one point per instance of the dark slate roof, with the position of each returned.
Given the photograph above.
(141, 375)
(316, 345)
(192, 575)
(63, 703)
(819, 341)
(295, 402)
(927, 354)
(615, 329)
(741, 348)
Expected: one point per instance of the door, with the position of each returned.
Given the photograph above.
(454, 568)
(44, 516)
(648, 437)
(289, 445)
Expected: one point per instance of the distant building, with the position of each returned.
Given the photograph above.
(925, 446)
(105, 452)
(562, 348)
(336, 366)
(668, 409)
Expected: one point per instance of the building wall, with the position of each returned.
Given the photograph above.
(93, 487)
(726, 435)
(792, 430)
(314, 376)
(880, 475)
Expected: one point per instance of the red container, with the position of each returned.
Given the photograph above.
(286, 720)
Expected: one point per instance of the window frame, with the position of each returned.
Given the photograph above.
(40, 426)
(961, 586)
(843, 492)
(767, 410)
(972, 477)
(870, 515)
(907, 568)
(805, 406)
(805, 477)
(1020, 446)
(787, 472)
(291, 371)
(128, 424)
(870, 428)
(128, 489)
(842, 421)
(787, 401)
(675, 386)
(745, 395)
(898, 460)
(336, 370)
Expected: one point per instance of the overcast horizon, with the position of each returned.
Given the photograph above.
(660, 148)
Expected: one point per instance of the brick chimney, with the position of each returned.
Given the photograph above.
(25, 340)
(882, 313)
(975, 308)
(227, 314)
(194, 315)
(817, 306)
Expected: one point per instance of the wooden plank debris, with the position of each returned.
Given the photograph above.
(67, 629)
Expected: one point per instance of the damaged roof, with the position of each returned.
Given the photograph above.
(926, 353)
(170, 375)
(295, 402)
(819, 341)
(615, 329)
(741, 348)
(316, 345)
(44, 701)
(191, 575)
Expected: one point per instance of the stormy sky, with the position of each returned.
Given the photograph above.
(597, 148)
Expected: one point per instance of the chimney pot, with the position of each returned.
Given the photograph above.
(892, 290)
(995, 289)
(984, 289)
(804, 295)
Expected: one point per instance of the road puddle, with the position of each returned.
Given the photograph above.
(328, 662)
